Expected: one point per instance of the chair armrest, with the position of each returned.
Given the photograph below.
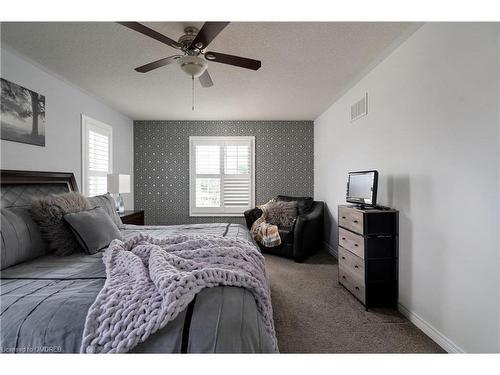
(308, 232)
(251, 215)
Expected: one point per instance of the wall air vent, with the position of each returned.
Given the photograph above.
(360, 108)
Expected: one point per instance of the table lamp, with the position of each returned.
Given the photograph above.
(119, 184)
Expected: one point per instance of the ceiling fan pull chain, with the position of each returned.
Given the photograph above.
(192, 97)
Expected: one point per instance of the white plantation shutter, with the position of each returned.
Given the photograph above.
(237, 176)
(208, 159)
(237, 159)
(237, 192)
(96, 156)
(221, 175)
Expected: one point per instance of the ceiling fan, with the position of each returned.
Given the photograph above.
(192, 47)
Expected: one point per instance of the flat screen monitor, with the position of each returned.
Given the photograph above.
(362, 188)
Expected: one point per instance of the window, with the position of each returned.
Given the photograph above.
(97, 159)
(221, 177)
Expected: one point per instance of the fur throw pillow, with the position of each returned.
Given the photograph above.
(48, 212)
(282, 214)
(304, 204)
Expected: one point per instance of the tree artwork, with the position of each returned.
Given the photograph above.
(22, 114)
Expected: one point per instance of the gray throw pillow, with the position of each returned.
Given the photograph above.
(48, 212)
(93, 229)
(107, 203)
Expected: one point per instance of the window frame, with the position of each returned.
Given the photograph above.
(218, 211)
(89, 123)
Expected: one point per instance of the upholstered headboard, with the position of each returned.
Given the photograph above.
(21, 238)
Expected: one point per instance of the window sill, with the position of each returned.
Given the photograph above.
(215, 215)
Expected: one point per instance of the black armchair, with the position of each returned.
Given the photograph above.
(304, 238)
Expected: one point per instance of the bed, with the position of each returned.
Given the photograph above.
(45, 298)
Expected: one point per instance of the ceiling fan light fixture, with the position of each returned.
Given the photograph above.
(209, 56)
(193, 66)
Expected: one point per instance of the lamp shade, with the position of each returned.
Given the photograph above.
(193, 66)
(118, 183)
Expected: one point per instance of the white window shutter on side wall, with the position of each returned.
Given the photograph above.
(97, 160)
(221, 175)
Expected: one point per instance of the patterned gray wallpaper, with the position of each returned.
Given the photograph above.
(283, 163)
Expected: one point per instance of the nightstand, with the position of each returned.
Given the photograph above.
(132, 217)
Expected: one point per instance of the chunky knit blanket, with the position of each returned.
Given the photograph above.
(151, 280)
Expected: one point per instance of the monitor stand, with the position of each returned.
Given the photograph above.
(362, 207)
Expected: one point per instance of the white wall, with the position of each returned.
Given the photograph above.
(432, 132)
(498, 119)
(64, 105)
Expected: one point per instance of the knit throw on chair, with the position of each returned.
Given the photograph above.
(151, 280)
(264, 232)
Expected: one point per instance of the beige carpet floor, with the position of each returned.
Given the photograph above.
(313, 314)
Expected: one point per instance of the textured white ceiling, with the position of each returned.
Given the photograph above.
(304, 65)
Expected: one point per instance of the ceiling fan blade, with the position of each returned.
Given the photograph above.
(206, 80)
(151, 33)
(157, 64)
(242, 62)
(207, 33)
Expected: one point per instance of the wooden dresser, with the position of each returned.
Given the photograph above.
(368, 254)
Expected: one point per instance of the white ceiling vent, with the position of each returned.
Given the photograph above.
(360, 108)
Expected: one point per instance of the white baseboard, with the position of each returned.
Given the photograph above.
(430, 331)
(331, 250)
(440, 339)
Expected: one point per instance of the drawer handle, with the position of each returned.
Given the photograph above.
(343, 276)
(343, 258)
(355, 221)
(356, 288)
(343, 238)
(343, 217)
(356, 266)
(356, 245)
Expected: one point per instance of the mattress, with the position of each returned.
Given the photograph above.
(44, 303)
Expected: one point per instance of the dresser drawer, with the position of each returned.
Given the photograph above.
(352, 263)
(352, 283)
(351, 219)
(352, 242)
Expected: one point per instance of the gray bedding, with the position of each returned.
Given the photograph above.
(44, 303)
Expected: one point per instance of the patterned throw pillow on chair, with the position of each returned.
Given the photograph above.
(282, 214)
